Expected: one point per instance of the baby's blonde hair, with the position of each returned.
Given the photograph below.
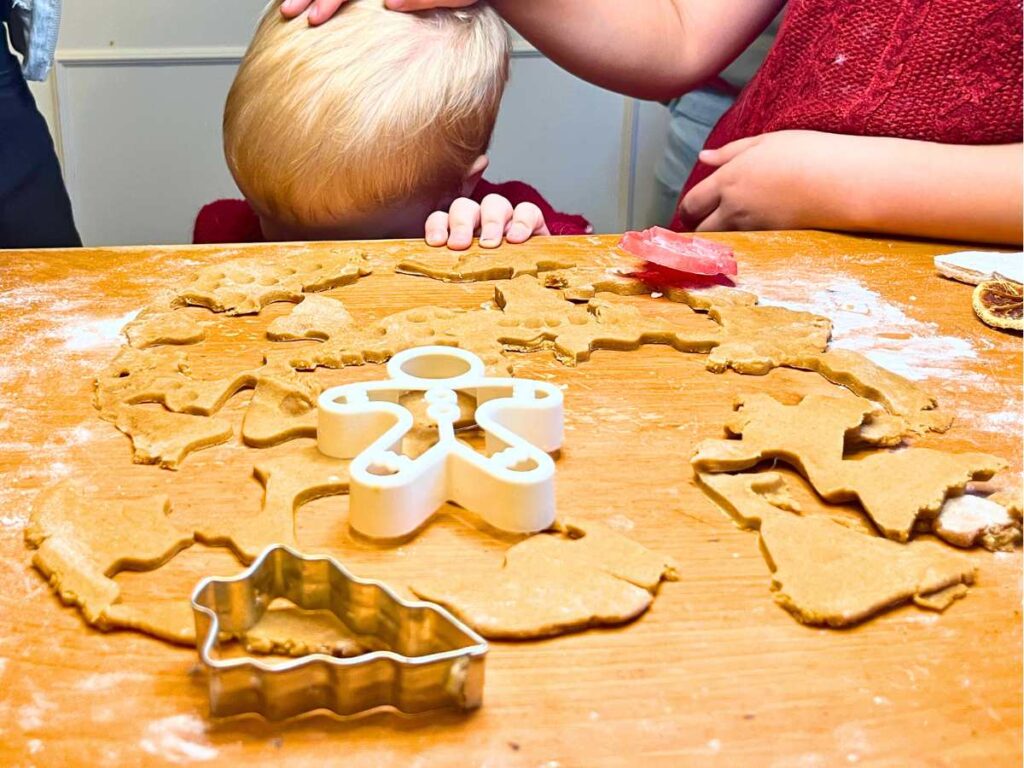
(369, 110)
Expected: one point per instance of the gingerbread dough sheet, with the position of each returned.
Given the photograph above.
(584, 575)
(288, 482)
(81, 543)
(895, 488)
(827, 574)
(504, 264)
(244, 287)
(165, 438)
(162, 323)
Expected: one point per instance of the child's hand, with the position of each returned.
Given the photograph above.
(781, 180)
(322, 10)
(494, 218)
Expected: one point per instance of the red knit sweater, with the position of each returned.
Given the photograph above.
(947, 71)
(234, 221)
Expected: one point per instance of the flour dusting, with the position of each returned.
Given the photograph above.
(178, 739)
(93, 334)
(863, 321)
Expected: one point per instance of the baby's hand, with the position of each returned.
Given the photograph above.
(493, 218)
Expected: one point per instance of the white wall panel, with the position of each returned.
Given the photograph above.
(142, 148)
(651, 137)
(563, 136)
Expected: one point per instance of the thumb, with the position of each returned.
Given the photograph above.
(725, 153)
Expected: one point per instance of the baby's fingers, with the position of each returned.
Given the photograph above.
(495, 214)
(463, 219)
(436, 229)
(527, 221)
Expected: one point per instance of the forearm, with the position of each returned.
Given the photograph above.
(650, 49)
(924, 189)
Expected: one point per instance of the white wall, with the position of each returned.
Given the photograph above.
(135, 103)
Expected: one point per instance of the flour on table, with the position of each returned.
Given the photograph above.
(866, 322)
(93, 334)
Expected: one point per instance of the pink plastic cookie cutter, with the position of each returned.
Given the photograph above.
(511, 485)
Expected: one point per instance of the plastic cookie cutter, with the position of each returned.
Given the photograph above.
(433, 660)
(511, 484)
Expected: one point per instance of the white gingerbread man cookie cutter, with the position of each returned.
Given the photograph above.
(510, 485)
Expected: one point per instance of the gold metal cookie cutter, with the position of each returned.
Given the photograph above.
(433, 661)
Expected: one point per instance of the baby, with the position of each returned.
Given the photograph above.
(374, 125)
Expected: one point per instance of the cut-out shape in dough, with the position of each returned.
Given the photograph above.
(82, 543)
(165, 438)
(968, 520)
(289, 482)
(161, 376)
(503, 264)
(281, 409)
(584, 283)
(895, 488)
(245, 286)
(162, 323)
(826, 574)
(852, 370)
(583, 576)
(867, 379)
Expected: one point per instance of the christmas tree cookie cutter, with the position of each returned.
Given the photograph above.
(511, 485)
(431, 659)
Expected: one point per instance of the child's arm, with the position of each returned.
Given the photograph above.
(814, 180)
(494, 217)
(650, 49)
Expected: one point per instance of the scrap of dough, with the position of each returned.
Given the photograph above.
(317, 317)
(165, 438)
(162, 323)
(82, 543)
(554, 583)
(503, 264)
(895, 488)
(533, 317)
(282, 408)
(290, 631)
(867, 379)
(581, 284)
(826, 574)
(161, 376)
(966, 521)
(758, 339)
(289, 482)
(245, 286)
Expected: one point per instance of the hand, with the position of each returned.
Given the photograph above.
(322, 10)
(494, 218)
(781, 180)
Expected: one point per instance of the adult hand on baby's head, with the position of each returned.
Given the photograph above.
(780, 180)
(495, 218)
(322, 10)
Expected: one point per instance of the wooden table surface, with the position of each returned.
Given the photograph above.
(714, 674)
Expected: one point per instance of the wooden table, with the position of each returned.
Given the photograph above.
(715, 673)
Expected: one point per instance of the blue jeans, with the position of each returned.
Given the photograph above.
(693, 117)
(35, 211)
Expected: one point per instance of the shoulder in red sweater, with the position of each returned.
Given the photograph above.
(234, 221)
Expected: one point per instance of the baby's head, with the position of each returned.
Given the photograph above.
(361, 127)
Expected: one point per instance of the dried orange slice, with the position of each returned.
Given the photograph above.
(999, 302)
